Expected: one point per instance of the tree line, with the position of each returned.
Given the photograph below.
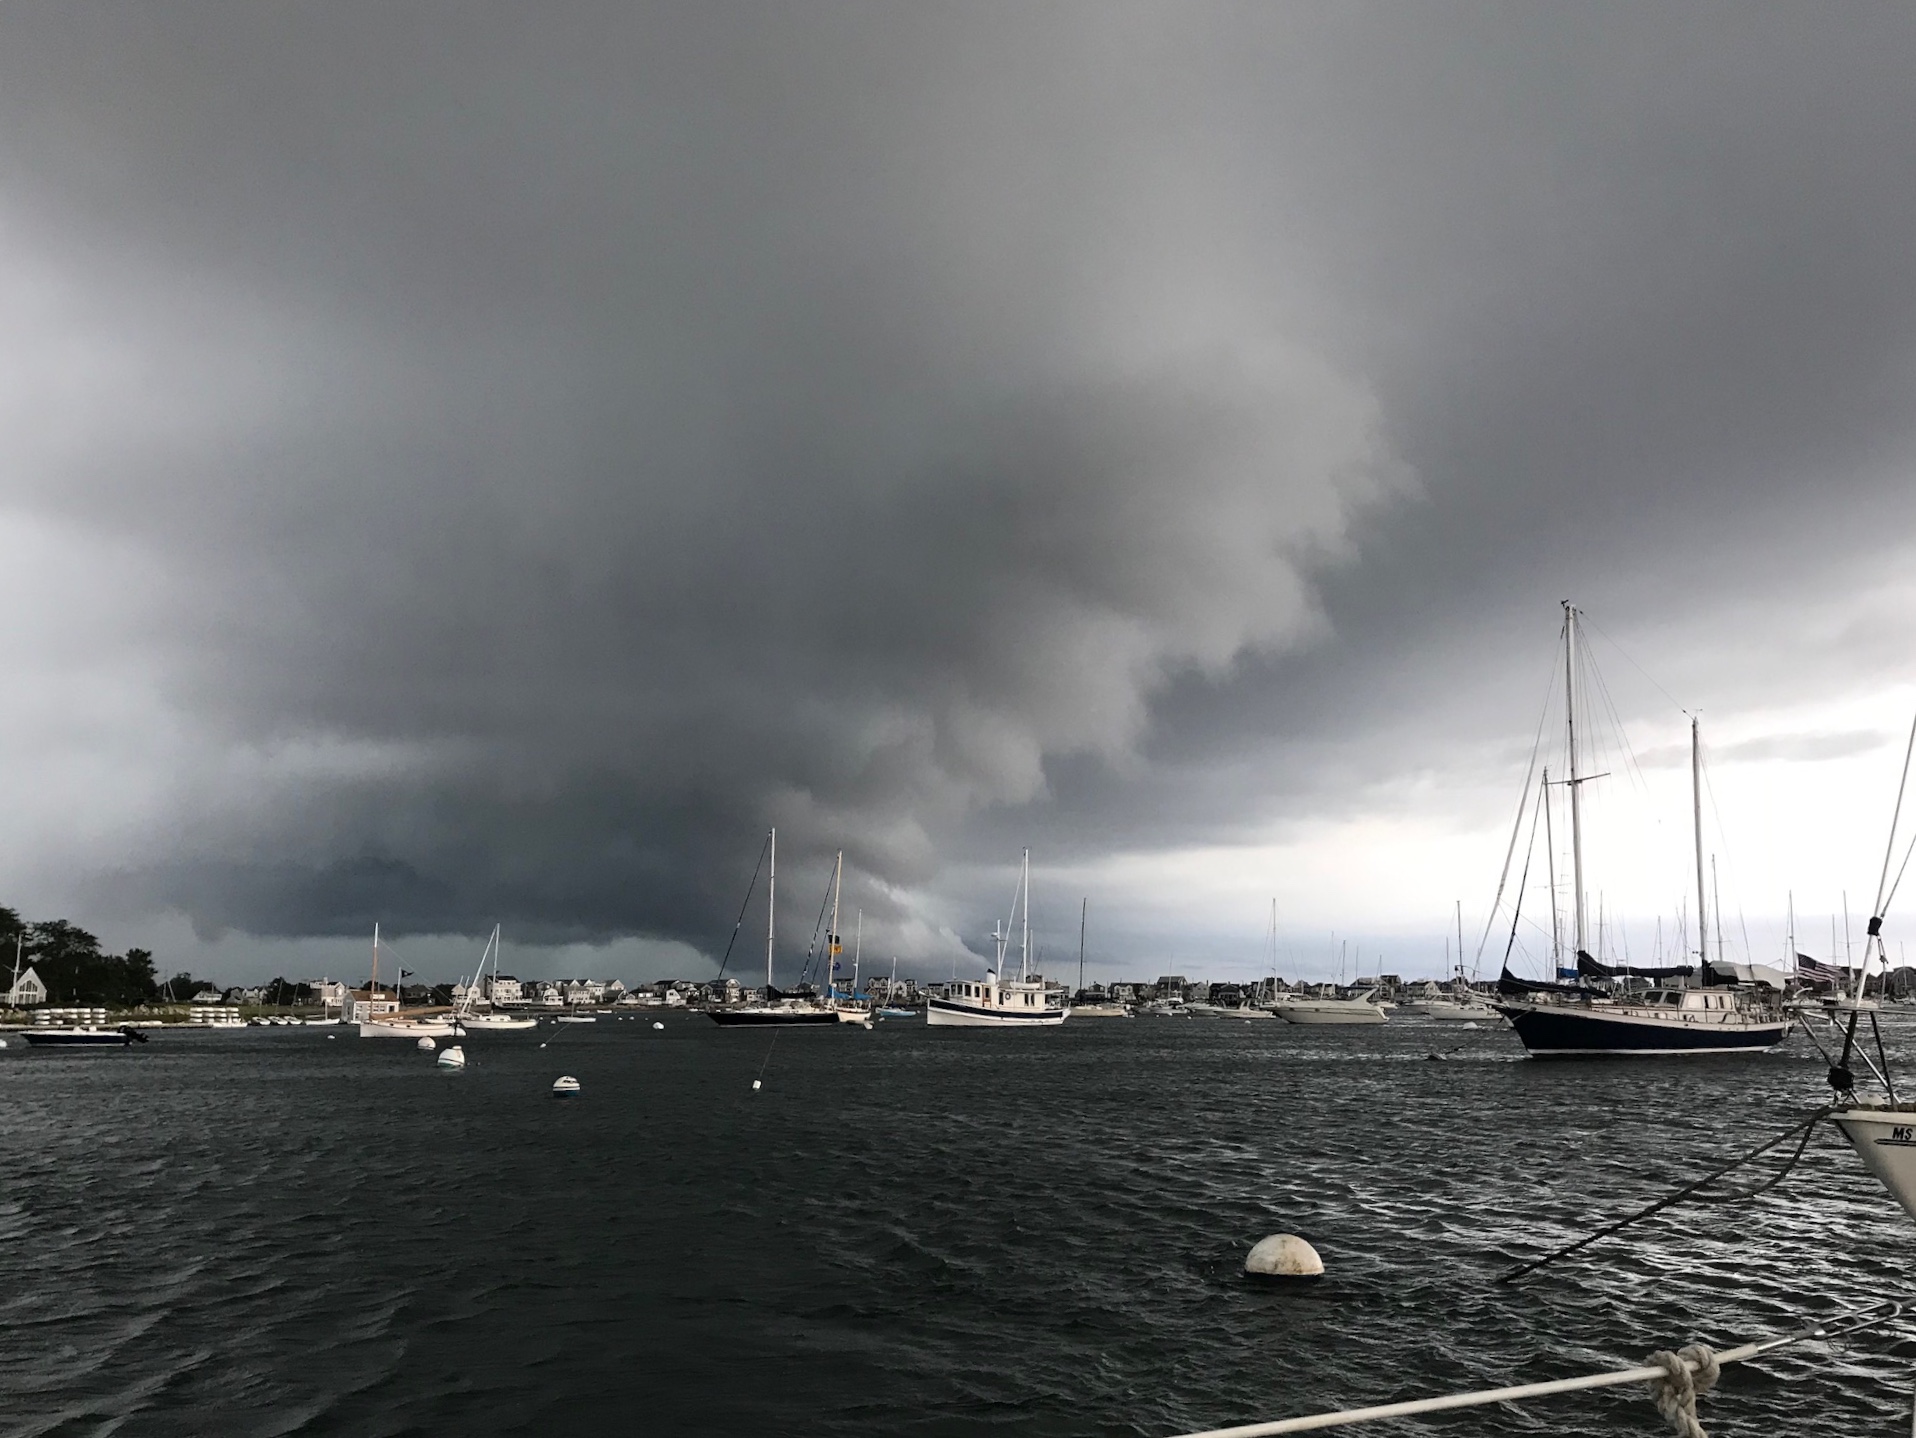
(76, 970)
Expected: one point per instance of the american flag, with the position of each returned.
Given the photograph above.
(1815, 971)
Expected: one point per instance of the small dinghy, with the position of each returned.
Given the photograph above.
(453, 1058)
(564, 1085)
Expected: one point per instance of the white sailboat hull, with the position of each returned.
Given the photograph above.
(1885, 1139)
(494, 1023)
(406, 1029)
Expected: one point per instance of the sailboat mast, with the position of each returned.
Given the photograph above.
(771, 912)
(1576, 797)
(1460, 941)
(1696, 807)
(831, 943)
(858, 949)
(375, 983)
(1024, 954)
(1084, 912)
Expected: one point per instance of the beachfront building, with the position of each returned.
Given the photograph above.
(27, 990)
(364, 1005)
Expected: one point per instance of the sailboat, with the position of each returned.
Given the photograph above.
(1559, 1019)
(1881, 1130)
(1104, 1008)
(1461, 1004)
(469, 1017)
(778, 1010)
(851, 1008)
(1024, 1002)
(380, 1018)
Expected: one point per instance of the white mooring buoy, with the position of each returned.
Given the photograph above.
(658, 1026)
(565, 1084)
(754, 1085)
(1283, 1255)
(426, 1045)
(453, 1058)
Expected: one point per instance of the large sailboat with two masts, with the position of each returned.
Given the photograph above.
(776, 1010)
(1688, 1010)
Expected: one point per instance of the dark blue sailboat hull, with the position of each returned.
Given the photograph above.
(1566, 1031)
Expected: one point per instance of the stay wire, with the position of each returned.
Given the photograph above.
(818, 926)
(757, 869)
(1516, 826)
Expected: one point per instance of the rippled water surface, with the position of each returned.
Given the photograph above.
(909, 1230)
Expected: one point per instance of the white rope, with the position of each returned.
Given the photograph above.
(1681, 1378)
(1687, 1376)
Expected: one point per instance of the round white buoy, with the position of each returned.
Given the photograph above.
(3, 1043)
(426, 1046)
(331, 1037)
(565, 1084)
(658, 1026)
(1283, 1255)
(453, 1058)
(541, 1045)
(754, 1085)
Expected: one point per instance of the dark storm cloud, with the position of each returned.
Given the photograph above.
(571, 439)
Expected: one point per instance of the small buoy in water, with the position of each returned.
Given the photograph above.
(3, 1043)
(453, 1058)
(1471, 1025)
(426, 1046)
(1283, 1255)
(565, 1084)
(330, 1037)
(541, 1045)
(754, 1085)
(658, 1026)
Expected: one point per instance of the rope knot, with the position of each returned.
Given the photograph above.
(1687, 1375)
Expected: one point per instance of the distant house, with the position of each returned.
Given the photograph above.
(366, 1004)
(27, 991)
(505, 989)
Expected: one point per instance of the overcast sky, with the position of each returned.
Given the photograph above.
(467, 465)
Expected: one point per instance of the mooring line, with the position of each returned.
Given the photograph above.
(1688, 1191)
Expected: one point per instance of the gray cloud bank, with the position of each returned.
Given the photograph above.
(526, 452)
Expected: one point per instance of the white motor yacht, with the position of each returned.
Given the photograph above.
(1358, 1009)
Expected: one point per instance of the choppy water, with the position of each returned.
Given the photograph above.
(907, 1231)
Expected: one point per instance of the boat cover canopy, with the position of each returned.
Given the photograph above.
(1509, 984)
(1763, 974)
(1592, 968)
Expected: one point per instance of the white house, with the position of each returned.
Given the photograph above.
(27, 991)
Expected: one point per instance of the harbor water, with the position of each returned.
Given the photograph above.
(905, 1231)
